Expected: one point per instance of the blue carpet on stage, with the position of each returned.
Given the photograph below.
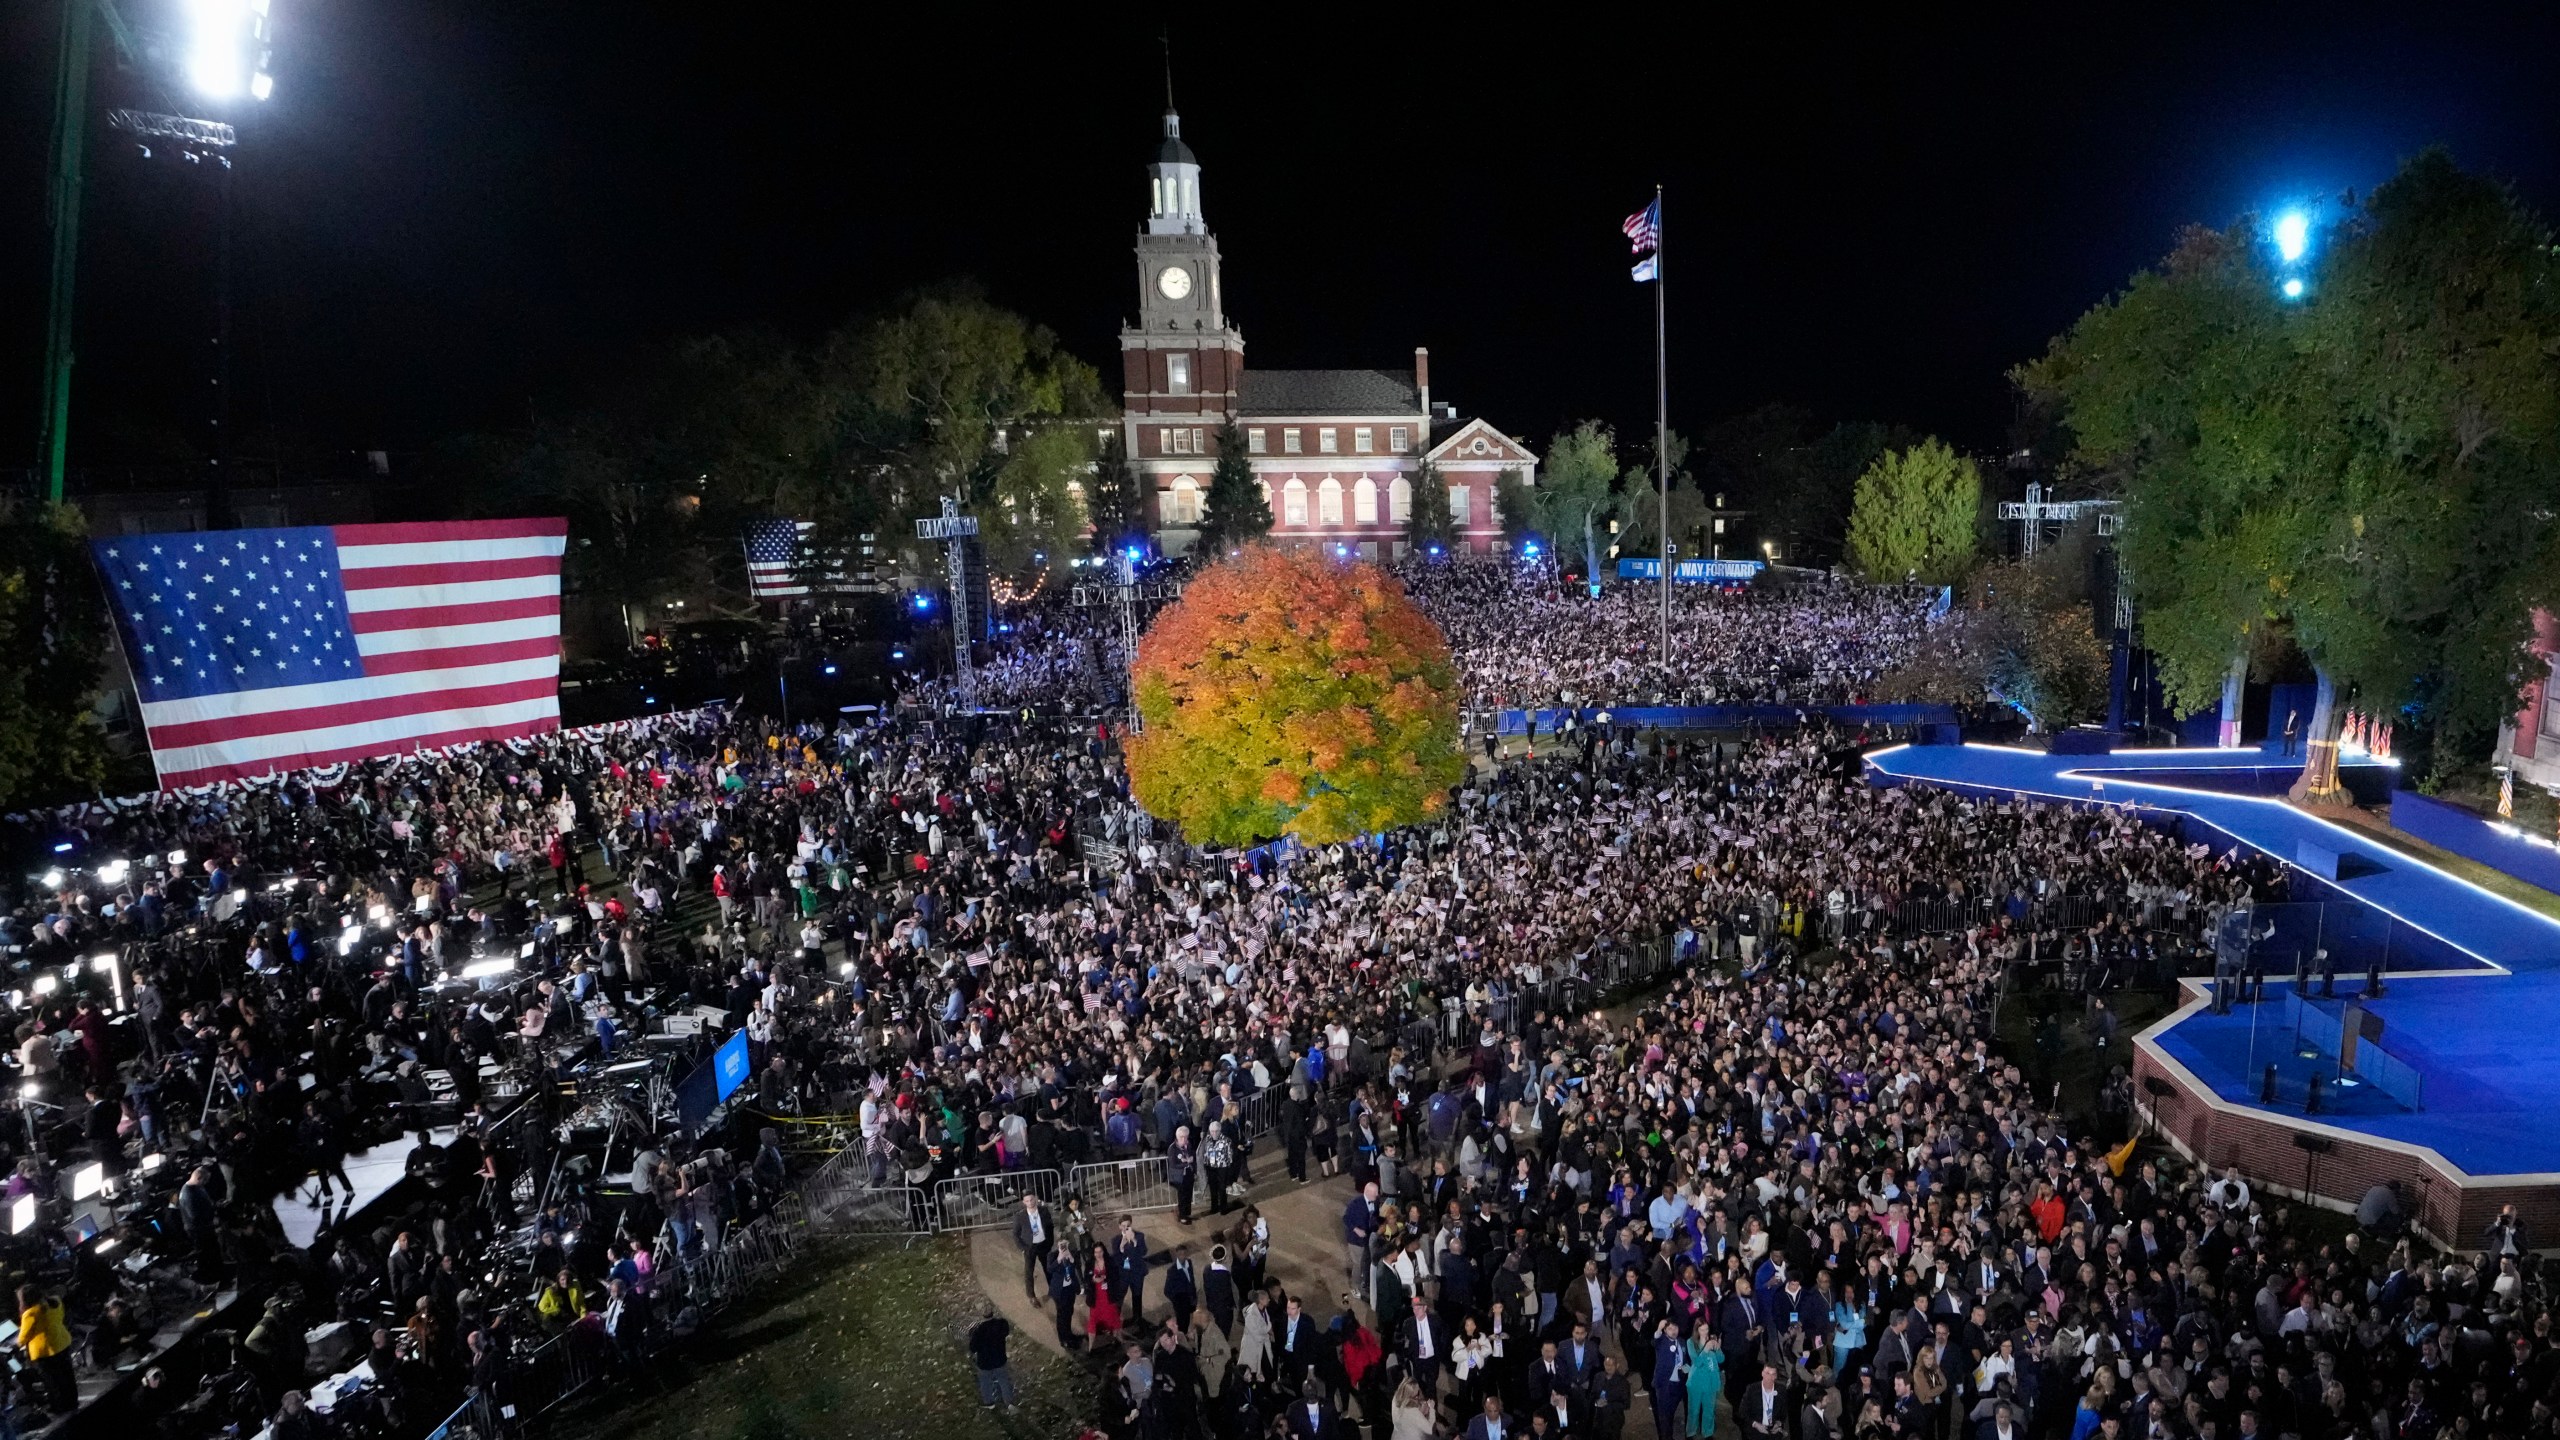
(2482, 1042)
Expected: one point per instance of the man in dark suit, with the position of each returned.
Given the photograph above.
(1492, 1424)
(1295, 1343)
(1548, 1374)
(1066, 1282)
(1312, 1417)
(1742, 1324)
(1219, 1291)
(1182, 1287)
(1580, 1355)
(1033, 1234)
(1423, 1342)
(1129, 1270)
(1766, 1410)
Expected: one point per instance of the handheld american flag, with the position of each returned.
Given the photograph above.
(257, 651)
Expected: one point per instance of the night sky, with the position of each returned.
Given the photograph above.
(452, 215)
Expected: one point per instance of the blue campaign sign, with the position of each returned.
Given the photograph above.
(1691, 572)
(729, 1064)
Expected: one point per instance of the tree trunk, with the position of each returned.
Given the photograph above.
(2235, 695)
(1590, 555)
(2319, 780)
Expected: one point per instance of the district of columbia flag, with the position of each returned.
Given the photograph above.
(1646, 268)
(260, 651)
(1644, 228)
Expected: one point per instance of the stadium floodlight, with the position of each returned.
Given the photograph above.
(228, 50)
(2292, 235)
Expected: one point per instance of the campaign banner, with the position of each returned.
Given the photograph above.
(1692, 572)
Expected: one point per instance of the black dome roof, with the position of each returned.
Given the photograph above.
(1173, 151)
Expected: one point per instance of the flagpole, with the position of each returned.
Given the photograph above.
(1661, 427)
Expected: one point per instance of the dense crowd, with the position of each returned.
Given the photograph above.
(1797, 1184)
(1524, 638)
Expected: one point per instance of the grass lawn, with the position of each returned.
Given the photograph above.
(864, 1342)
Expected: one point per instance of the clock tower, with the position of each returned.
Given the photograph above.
(1181, 362)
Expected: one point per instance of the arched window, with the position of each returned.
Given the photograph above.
(1364, 501)
(1182, 502)
(1329, 501)
(1293, 511)
(1399, 500)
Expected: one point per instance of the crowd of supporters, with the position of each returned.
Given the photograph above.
(1796, 1181)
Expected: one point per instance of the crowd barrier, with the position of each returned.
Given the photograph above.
(1726, 717)
(1121, 1186)
(987, 1202)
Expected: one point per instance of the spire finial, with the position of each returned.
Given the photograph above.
(1166, 39)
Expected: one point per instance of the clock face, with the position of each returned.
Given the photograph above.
(1175, 282)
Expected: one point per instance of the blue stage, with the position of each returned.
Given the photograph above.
(2479, 1022)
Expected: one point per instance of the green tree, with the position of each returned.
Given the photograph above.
(1235, 512)
(1036, 511)
(1639, 507)
(2023, 636)
(1574, 500)
(915, 398)
(1913, 515)
(54, 629)
(1112, 504)
(2366, 473)
(1427, 522)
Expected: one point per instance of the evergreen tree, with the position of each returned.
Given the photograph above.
(1235, 512)
(1111, 499)
(1427, 523)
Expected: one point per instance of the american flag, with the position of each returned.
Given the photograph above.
(781, 563)
(258, 651)
(1644, 228)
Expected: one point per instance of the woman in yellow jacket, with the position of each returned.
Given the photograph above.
(561, 1304)
(47, 1338)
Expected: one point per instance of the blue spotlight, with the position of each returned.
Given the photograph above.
(2292, 235)
(2293, 289)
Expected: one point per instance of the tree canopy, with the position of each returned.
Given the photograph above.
(663, 465)
(1290, 693)
(53, 626)
(1913, 515)
(1575, 495)
(2367, 471)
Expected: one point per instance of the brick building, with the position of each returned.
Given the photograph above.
(1336, 450)
(2529, 740)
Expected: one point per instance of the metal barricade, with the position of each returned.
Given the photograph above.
(864, 1210)
(984, 1202)
(1116, 1186)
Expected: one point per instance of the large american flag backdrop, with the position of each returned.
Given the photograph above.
(257, 651)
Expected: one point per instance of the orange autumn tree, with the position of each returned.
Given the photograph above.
(1293, 694)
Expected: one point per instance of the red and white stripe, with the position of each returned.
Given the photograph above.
(457, 625)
